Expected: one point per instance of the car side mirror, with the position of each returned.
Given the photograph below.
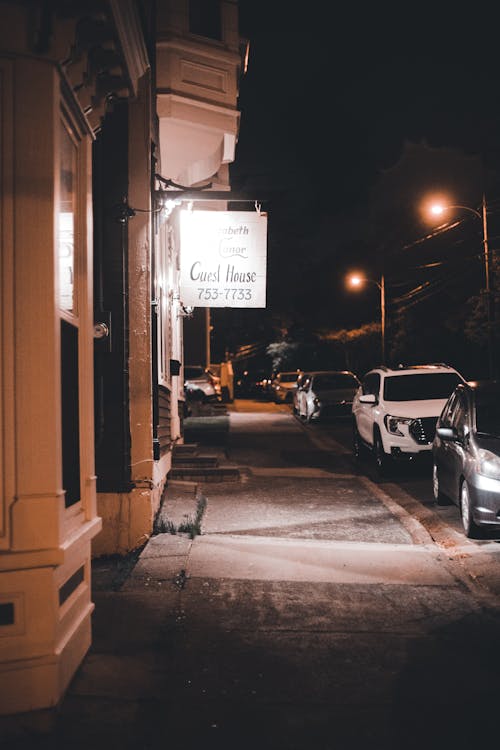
(447, 433)
(368, 398)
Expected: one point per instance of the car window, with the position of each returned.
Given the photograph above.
(445, 418)
(419, 387)
(194, 372)
(460, 416)
(488, 414)
(288, 377)
(334, 380)
(371, 384)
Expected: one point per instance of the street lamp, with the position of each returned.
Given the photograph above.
(357, 281)
(437, 209)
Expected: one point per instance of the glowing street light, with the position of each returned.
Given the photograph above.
(439, 208)
(357, 281)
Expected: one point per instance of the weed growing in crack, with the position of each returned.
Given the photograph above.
(165, 526)
(191, 525)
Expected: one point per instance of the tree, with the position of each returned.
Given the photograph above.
(282, 354)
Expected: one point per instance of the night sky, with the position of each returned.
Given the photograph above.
(347, 121)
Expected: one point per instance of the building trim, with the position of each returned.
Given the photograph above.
(131, 39)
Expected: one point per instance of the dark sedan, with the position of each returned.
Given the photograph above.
(466, 454)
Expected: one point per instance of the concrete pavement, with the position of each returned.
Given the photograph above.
(275, 559)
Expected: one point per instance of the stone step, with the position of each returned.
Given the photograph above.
(185, 449)
(199, 460)
(194, 473)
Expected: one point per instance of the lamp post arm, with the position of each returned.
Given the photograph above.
(490, 309)
(468, 208)
(372, 281)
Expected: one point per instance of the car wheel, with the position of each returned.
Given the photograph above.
(382, 460)
(470, 528)
(439, 498)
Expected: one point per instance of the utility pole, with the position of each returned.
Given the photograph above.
(489, 301)
(382, 315)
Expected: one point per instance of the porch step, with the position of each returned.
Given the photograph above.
(190, 464)
(186, 449)
(193, 473)
(199, 460)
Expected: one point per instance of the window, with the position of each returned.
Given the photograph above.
(70, 417)
(334, 381)
(460, 417)
(488, 414)
(445, 419)
(371, 384)
(205, 18)
(69, 276)
(191, 373)
(164, 294)
(420, 387)
(66, 222)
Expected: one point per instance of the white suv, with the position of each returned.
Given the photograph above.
(395, 410)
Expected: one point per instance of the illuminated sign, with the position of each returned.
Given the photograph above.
(223, 258)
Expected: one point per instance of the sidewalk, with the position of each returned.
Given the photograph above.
(250, 635)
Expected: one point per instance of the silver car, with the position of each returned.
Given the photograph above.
(284, 384)
(466, 454)
(200, 385)
(326, 393)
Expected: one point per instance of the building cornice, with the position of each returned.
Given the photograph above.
(216, 51)
(130, 37)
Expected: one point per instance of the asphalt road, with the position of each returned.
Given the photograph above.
(413, 479)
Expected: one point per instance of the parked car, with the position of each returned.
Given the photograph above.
(214, 370)
(263, 388)
(224, 375)
(466, 454)
(283, 385)
(253, 384)
(395, 411)
(296, 391)
(326, 393)
(200, 384)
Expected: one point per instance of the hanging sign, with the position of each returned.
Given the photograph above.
(223, 258)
